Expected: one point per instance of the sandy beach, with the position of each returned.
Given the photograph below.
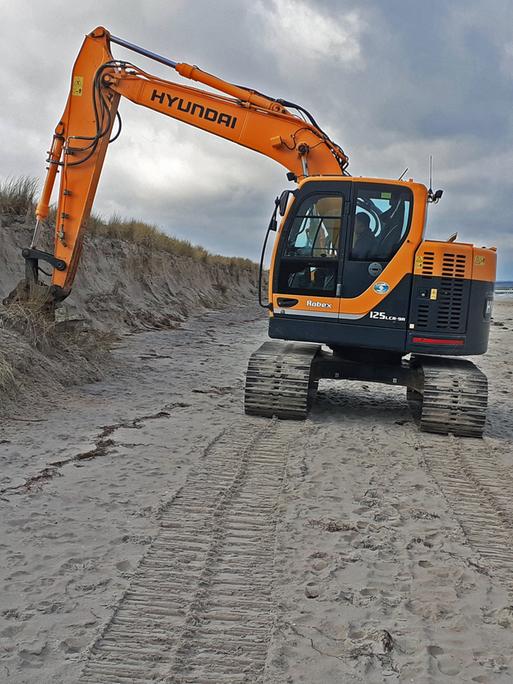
(150, 531)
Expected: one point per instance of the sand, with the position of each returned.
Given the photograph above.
(149, 531)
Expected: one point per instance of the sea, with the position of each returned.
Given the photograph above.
(504, 289)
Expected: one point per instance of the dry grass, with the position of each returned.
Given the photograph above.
(132, 230)
(35, 321)
(17, 196)
(32, 319)
(7, 380)
(75, 352)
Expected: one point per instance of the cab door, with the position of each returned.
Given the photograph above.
(379, 223)
(310, 256)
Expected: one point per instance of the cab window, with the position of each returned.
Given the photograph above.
(315, 231)
(301, 276)
(381, 222)
(309, 261)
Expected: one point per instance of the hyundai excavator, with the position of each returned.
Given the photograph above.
(355, 291)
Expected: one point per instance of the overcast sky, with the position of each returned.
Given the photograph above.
(391, 81)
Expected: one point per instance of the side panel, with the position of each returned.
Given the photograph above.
(451, 300)
(336, 334)
(383, 328)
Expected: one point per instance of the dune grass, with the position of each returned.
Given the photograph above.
(18, 195)
(133, 230)
(18, 198)
(7, 380)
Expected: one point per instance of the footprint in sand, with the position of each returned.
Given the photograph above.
(124, 566)
(447, 664)
(312, 590)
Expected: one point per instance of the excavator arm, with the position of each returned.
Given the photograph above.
(83, 133)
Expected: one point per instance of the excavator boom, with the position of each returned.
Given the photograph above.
(83, 133)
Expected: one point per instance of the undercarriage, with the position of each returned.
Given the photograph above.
(446, 395)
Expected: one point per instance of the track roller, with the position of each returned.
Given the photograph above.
(280, 380)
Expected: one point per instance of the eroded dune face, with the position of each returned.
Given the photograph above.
(129, 286)
(121, 287)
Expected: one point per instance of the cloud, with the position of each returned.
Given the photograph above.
(392, 82)
(302, 37)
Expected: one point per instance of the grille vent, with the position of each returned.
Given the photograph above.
(453, 265)
(423, 315)
(450, 309)
(428, 264)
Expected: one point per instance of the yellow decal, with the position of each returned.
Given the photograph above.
(434, 293)
(419, 261)
(78, 85)
(479, 260)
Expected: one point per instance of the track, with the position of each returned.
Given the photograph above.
(199, 606)
(480, 492)
(279, 380)
(455, 397)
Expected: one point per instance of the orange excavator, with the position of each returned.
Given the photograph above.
(355, 291)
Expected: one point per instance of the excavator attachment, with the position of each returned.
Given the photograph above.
(30, 290)
(77, 153)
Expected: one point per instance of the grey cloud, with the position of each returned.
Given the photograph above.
(429, 78)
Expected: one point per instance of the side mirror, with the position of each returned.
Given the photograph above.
(284, 199)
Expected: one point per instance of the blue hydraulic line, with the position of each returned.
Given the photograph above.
(143, 51)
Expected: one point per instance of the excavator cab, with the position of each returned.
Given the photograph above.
(346, 247)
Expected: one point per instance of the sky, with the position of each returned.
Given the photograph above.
(391, 81)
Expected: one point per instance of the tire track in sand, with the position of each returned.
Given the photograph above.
(479, 490)
(199, 606)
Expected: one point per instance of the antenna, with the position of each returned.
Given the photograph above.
(433, 196)
(403, 173)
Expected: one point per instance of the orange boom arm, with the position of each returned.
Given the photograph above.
(82, 135)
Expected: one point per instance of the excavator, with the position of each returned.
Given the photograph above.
(355, 290)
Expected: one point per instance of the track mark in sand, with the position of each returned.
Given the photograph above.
(480, 492)
(199, 607)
